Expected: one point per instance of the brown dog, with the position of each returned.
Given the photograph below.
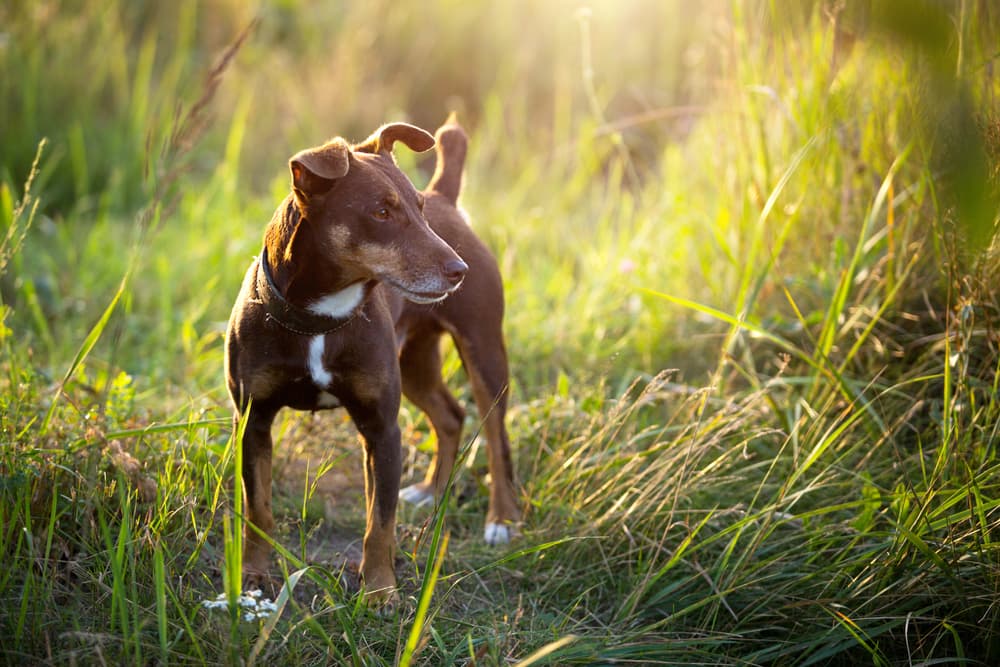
(359, 276)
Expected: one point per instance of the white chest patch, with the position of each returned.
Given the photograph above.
(339, 304)
(320, 376)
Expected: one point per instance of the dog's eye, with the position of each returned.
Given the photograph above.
(381, 213)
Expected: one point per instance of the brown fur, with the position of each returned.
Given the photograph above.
(354, 221)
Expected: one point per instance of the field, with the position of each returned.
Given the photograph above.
(751, 274)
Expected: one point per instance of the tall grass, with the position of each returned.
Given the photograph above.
(750, 264)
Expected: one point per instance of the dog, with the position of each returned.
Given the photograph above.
(359, 276)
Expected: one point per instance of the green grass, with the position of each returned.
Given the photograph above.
(751, 274)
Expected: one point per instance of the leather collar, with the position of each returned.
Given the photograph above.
(294, 318)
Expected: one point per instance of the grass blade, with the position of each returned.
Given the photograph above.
(88, 344)
(426, 592)
(272, 621)
(160, 584)
(546, 651)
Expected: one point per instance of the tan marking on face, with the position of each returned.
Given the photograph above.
(383, 259)
(339, 235)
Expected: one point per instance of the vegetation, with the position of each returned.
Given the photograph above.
(752, 312)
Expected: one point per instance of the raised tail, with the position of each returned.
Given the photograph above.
(451, 147)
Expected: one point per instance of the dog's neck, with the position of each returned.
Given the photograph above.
(325, 316)
(301, 272)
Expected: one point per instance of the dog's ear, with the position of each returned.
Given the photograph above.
(382, 139)
(315, 169)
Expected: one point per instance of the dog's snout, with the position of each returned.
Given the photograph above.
(455, 270)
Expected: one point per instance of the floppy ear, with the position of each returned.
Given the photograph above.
(382, 139)
(315, 169)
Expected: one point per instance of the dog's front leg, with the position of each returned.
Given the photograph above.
(257, 446)
(376, 421)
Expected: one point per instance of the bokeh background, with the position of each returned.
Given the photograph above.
(750, 263)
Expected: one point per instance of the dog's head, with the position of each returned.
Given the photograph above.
(364, 213)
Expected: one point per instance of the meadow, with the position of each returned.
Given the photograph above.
(751, 274)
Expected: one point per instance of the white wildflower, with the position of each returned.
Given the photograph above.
(253, 603)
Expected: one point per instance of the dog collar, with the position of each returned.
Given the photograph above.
(288, 315)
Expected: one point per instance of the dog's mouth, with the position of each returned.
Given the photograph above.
(420, 296)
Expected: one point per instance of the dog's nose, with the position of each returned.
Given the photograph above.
(455, 270)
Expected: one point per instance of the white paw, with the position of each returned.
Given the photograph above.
(496, 534)
(415, 495)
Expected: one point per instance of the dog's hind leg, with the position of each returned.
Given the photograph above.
(485, 361)
(420, 365)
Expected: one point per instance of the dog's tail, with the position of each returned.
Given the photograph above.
(451, 146)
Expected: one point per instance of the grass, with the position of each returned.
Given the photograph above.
(750, 268)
